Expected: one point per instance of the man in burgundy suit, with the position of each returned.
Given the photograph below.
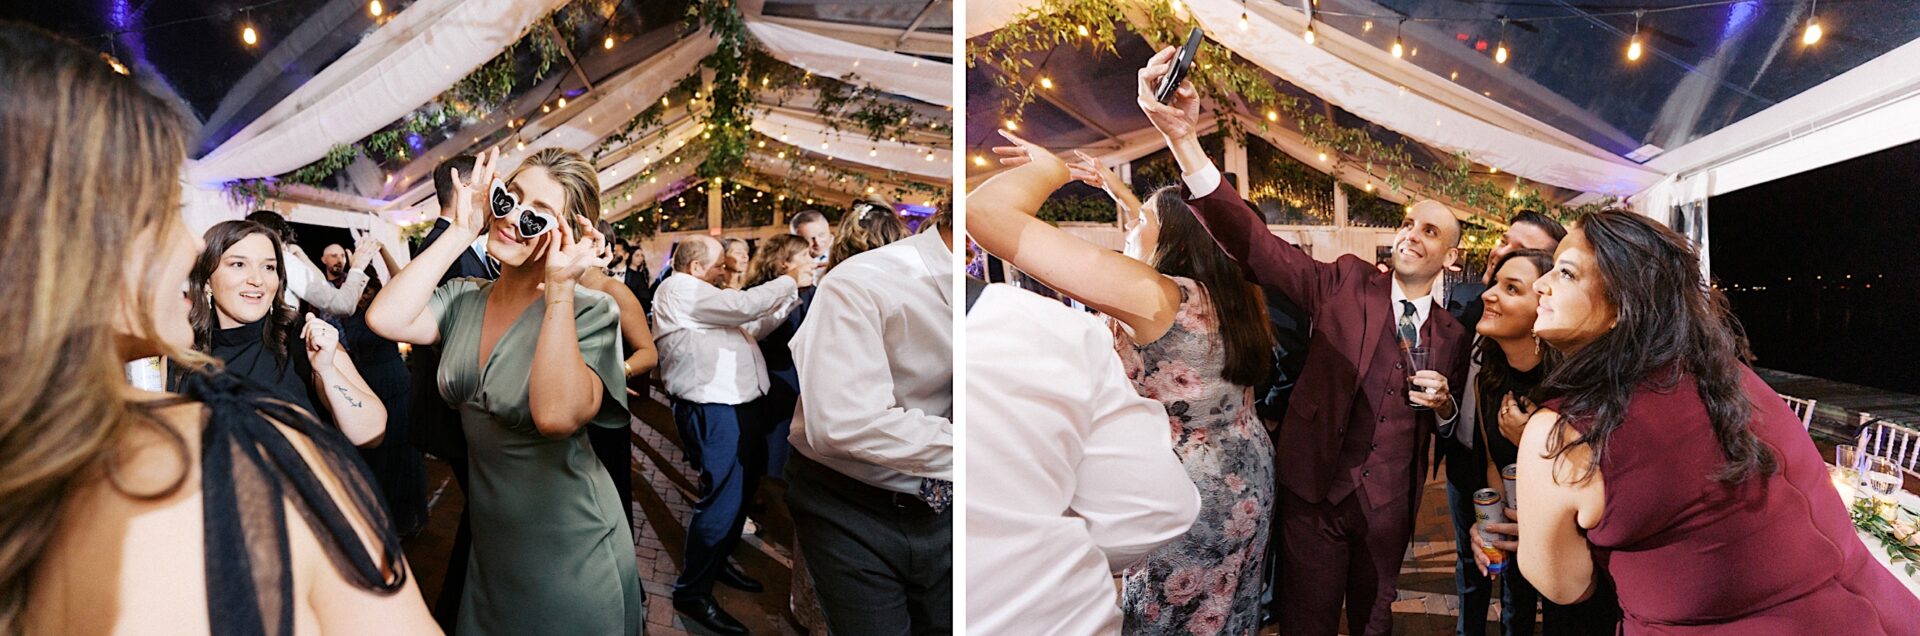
(1352, 451)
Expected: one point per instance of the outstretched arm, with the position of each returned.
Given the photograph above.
(1269, 260)
(1000, 218)
(400, 311)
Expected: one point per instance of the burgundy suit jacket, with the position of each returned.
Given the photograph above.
(1350, 301)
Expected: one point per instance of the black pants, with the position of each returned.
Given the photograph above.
(614, 447)
(882, 561)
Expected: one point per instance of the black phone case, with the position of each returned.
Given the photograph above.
(1182, 61)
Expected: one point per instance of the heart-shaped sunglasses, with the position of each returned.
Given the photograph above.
(528, 222)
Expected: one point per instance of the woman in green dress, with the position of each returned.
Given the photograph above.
(529, 360)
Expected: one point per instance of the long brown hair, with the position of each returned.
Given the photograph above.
(1186, 250)
(1670, 322)
(867, 225)
(1494, 366)
(89, 168)
(280, 317)
(771, 261)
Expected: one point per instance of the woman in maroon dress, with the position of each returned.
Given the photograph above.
(1700, 494)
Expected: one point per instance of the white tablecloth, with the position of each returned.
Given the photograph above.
(1878, 548)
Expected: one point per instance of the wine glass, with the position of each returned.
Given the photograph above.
(1882, 477)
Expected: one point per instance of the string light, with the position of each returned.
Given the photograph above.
(979, 160)
(563, 102)
(1307, 36)
(608, 43)
(1633, 46)
(1398, 49)
(1500, 52)
(1813, 26)
(247, 35)
(1046, 83)
(375, 8)
(1273, 115)
(1082, 30)
(1013, 125)
(1243, 20)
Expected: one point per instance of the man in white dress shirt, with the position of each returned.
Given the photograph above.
(870, 481)
(1071, 475)
(711, 364)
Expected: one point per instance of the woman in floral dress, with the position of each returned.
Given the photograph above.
(1193, 334)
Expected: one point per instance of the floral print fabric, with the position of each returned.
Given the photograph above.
(1207, 582)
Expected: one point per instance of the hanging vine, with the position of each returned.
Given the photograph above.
(1228, 86)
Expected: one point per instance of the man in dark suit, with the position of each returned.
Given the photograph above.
(436, 427)
(1354, 447)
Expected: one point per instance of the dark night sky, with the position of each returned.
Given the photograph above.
(1856, 218)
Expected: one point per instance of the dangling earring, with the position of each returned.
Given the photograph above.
(209, 297)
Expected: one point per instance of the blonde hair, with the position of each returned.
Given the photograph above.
(89, 188)
(577, 177)
(868, 224)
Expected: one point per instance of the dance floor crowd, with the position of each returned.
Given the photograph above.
(268, 487)
(1244, 404)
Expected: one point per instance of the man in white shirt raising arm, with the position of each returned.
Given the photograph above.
(711, 363)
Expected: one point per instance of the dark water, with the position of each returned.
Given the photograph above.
(1833, 250)
(1866, 337)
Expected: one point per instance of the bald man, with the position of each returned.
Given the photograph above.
(1355, 440)
(710, 358)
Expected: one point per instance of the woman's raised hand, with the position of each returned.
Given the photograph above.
(470, 204)
(1024, 152)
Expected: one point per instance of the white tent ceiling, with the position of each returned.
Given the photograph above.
(1850, 112)
(355, 97)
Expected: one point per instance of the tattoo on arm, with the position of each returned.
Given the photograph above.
(349, 396)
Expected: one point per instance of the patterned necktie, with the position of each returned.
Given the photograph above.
(938, 493)
(1409, 334)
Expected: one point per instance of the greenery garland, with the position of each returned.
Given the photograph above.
(1228, 84)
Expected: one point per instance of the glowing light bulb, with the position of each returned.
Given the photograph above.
(563, 102)
(1013, 126)
(1082, 30)
(375, 8)
(1308, 36)
(1398, 50)
(979, 160)
(1323, 157)
(608, 43)
(1046, 83)
(1273, 116)
(1243, 20)
(1500, 53)
(1633, 48)
(1813, 33)
(247, 35)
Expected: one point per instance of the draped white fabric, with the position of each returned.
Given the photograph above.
(619, 99)
(649, 152)
(921, 79)
(814, 136)
(1411, 114)
(401, 65)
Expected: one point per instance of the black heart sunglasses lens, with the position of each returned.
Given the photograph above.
(531, 224)
(501, 202)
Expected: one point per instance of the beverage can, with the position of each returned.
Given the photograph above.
(1487, 509)
(1508, 474)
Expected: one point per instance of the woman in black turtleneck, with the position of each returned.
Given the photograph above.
(240, 317)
